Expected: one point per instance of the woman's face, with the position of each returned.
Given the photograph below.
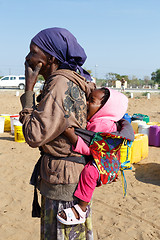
(35, 56)
(94, 102)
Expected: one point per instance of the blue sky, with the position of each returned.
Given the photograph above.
(120, 36)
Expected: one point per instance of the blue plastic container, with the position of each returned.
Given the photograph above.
(127, 117)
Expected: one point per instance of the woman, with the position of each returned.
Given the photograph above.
(57, 56)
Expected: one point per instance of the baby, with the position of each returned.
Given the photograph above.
(105, 108)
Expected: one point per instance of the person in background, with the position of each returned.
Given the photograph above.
(58, 57)
(123, 84)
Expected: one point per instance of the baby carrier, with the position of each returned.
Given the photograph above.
(105, 149)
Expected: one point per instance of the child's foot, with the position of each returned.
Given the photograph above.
(72, 216)
(63, 214)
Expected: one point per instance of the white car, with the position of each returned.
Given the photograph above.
(13, 81)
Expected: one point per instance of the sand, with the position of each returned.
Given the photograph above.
(137, 216)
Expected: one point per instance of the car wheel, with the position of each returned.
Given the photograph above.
(21, 86)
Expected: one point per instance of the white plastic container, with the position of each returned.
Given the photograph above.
(16, 122)
(136, 123)
(148, 95)
(13, 119)
(144, 129)
(7, 123)
(140, 125)
(17, 93)
(2, 120)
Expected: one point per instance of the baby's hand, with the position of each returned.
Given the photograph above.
(70, 134)
(69, 131)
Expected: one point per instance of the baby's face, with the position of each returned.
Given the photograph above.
(94, 102)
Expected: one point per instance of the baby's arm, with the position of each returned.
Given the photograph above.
(78, 144)
(70, 134)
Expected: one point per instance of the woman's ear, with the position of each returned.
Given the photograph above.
(54, 60)
(50, 60)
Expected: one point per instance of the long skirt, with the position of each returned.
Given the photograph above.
(51, 229)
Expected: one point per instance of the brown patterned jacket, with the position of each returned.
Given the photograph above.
(63, 104)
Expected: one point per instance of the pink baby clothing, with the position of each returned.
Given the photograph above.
(102, 121)
(87, 182)
(105, 119)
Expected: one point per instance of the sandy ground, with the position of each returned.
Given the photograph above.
(137, 216)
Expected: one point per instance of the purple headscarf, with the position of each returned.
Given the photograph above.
(61, 44)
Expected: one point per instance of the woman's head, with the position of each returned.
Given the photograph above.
(96, 101)
(37, 55)
(62, 45)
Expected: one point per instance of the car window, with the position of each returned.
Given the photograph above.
(5, 78)
(12, 78)
(21, 78)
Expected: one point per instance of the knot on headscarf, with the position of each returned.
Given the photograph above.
(61, 44)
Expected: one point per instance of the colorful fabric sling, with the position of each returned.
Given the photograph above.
(105, 149)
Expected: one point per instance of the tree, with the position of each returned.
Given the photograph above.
(88, 70)
(124, 76)
(41, 78)
(155, 76)
(112, 76)
(115, 76)
(101, 83)
(135, 82)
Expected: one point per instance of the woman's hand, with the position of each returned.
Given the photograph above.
(31, 76)
(70, 134)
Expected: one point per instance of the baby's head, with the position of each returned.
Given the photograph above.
(96, 101)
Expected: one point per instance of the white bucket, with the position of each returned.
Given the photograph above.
(135, 124)
(13, 119)
(148, 95)
(17, 93)
(141, 123)
(144, 129)
(2, 120)
(16, 122)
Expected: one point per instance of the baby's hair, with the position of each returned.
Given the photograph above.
(106, 95)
